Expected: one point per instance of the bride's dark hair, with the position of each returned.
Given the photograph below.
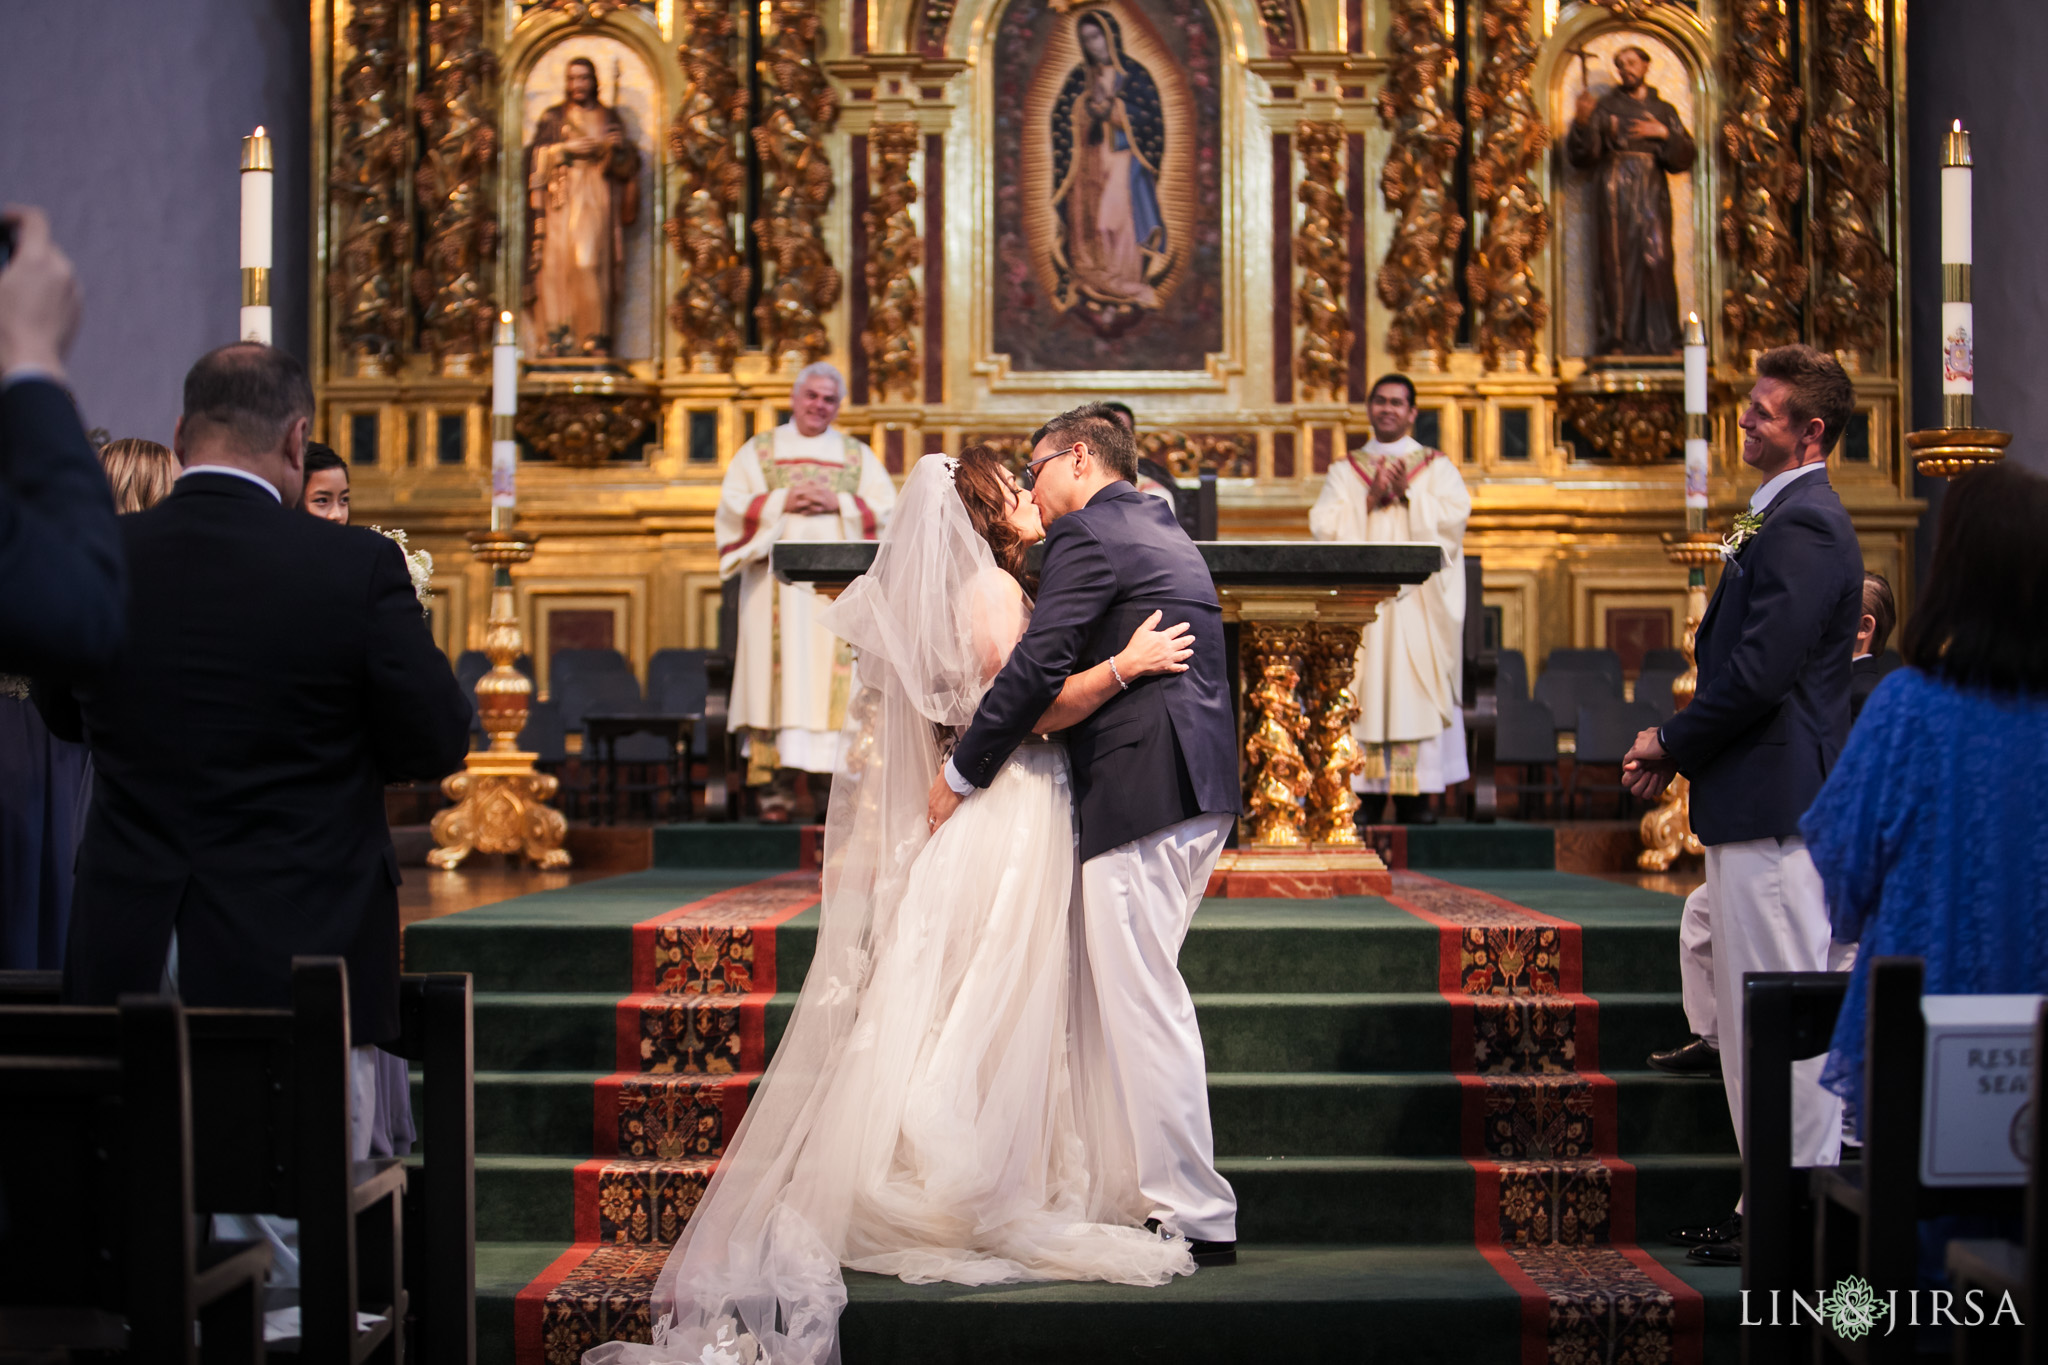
(986, 494)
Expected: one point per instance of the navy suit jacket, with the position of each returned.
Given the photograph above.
(60, 557)
(1772, 710)
(1166, 749)
(277, 674)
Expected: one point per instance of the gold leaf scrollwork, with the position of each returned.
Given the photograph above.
(1277, 778)
(1629, 428)
(1511, 137)
(934, 19)
(1277, 17)
(798, 107)
(1760, 142)
(1417, 279)
(703, 145)
(894, 251)
(585, 11)
(583, 429)
(1851, 303)
(1190, 455)
(1322, 246)
(455, 184)
(1333, 666)
(366, 286)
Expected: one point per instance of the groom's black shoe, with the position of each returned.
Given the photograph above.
(1205, 1253)
(1697, 1058)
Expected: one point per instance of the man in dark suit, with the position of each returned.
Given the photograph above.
(60, 557)
(277, 673)
(1867, 669)
(1767, 723)
(1155, 789)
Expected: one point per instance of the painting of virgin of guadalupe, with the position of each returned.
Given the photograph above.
(1108, 192)
(1108, 143)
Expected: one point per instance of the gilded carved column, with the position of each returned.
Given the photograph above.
(457, 186)
(894, 251)
(798, 107)
(1321, 248)
(1277, 777)
(703, 144)
(1510, 140)
(366, 286)
(1852, 256)
(1333, 666)
(1760, 147)
(1417, 278)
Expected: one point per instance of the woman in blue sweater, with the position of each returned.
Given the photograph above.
(1927, 834)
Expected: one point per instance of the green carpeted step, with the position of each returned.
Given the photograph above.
(1505, 844)
(1354, 944)
(536, 1112)
(1309, 1303)
(765, 848)
(1307, 1113)
(1394, 1032)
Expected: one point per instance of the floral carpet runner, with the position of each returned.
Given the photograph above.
(691, 1045)
(1555, 1208)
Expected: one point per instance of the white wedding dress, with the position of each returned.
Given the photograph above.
(940, 1106)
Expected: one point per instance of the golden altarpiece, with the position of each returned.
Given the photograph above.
(1232, 214)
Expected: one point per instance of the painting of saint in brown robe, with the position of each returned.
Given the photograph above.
(1632, 140)
(582, 193)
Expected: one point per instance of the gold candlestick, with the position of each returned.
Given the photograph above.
(501, 801)
(1958, 445)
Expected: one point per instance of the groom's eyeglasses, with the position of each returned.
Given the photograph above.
(1029, 476)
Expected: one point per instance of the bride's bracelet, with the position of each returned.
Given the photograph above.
(1118, 674)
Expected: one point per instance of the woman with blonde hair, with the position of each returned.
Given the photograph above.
(140, 473)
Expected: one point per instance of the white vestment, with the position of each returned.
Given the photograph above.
(790, 676)
(1411, 726)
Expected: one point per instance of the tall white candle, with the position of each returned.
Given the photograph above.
(504, 405)
(1695, 424)
(1958, 313)
(258, 175)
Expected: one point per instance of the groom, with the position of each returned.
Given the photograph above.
(1155, 787)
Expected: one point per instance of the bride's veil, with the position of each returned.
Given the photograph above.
(759, 1256)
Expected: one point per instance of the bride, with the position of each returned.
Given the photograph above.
(940, 1106)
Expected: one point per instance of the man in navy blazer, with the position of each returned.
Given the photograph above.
(1155, 790)
(1766, 726)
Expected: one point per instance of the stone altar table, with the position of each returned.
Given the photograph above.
(1295, 609)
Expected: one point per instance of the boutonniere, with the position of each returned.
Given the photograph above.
(419, 566)
(1747, 524)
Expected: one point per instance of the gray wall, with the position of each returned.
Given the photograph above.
(124, 119)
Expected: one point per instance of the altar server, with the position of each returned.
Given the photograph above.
(804, 480)
(1393, 488)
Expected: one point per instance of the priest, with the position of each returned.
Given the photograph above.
(1393, 488)
(804, 480)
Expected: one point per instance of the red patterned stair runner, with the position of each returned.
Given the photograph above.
(691, 1044)
(1555, 1207)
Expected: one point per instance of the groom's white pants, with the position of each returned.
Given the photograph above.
(1137, 901)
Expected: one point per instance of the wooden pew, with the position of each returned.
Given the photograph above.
(1867, 1214)
(436, 1022)
(1787, 1017)
(271, 1100)
(98, 1250)
(1999, 1267)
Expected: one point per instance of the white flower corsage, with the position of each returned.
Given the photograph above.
(418, 563)
(1747, 524)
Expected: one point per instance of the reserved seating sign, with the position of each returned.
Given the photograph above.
(1976, 1115)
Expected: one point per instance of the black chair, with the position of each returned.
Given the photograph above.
(1513, 681)
(1653, 687)
(1664, 661)
(1479, 695)
(1602, 661)
(1565, 690)
(1867, 1215)
(697, 683)
(1606, 730)
(98, 1250)
(1526, 738)
(2000, 1268)
(1787, 1017)
(271, 1097)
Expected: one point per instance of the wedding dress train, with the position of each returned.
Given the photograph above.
(940, 1107)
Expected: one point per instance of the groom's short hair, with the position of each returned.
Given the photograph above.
(1816, 386)
(1097, 424)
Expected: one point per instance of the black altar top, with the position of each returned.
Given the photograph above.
(1247, 563)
